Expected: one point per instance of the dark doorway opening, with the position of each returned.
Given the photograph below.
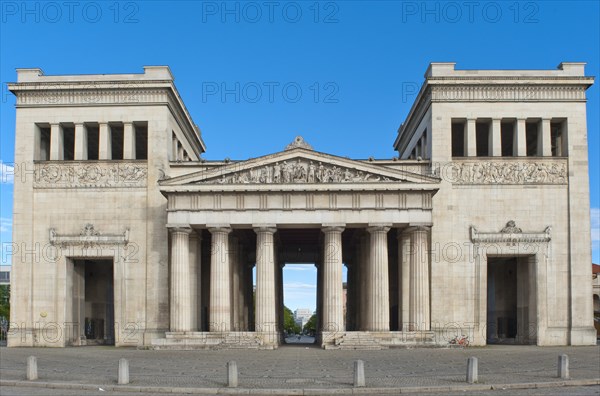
(511, 307)
(93, 301)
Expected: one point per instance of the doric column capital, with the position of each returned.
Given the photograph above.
(378, 228)
(332, 228)
(219, 230)
(417, 228)
(268, 228)
(196, 235)
(179, 228)
(400, 232)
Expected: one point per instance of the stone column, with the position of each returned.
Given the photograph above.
(249, 315)
(81, 142)
(266, 315)
(404, 254)
(333, 310)
(319, 309)
(220, 301)
(495, 138)
(104, 141)
(57, 146)
(280, 303)
(378, 299)
(195, 281)
(350, 295)
(544, 147)
(363, 255)
(470, 138)
(234, 281)
(520, 139)
(180, 279)
(419, 313)
(241, 289)
(128, 140)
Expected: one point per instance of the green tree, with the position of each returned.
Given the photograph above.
(311, 326)
(5, 301)
(289, 323)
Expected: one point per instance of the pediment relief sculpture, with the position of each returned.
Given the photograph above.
(298, 170)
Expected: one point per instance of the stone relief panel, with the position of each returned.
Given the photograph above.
(510, 234)
(298, 171)
(88, 237)
(507, 172)
(90, 174)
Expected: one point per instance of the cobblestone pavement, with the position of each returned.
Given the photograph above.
(301, 366)
(566, 391)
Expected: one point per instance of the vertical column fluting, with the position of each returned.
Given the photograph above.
(378, 318)
(333, 310)
(104, 141)
(520, 138)
(544, 146)
(81, 142)
(363, 250)
(404, 253)
(419, 311)
(128, 141)
(266, 315)
(280, 303)
(319, 309)
(241, 289)
(220, 298)
(470, 138)
(195, 281)
(250, 314)
(350, 295)
(180, 279)
(234, 281)
(495, 138)
(57, 142)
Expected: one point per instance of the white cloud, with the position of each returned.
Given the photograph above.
(5, 224)
(298, 285)
(595, 218)
(7, 173)
(301, 267)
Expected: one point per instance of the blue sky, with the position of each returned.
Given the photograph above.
(342, 74)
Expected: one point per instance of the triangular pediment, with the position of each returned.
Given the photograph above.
(298, 166)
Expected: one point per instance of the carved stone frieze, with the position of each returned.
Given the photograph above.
(88, 237)
(298, 171)
(90, 174)
(507, 172)
(510, 234)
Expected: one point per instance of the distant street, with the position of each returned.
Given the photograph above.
(302, 339)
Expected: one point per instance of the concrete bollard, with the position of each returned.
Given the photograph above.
(232, 374)
(563, 366)
(359, 373)
(472, 370)
(123, 372)
(32, 373)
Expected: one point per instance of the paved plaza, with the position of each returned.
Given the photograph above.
(298, 368)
